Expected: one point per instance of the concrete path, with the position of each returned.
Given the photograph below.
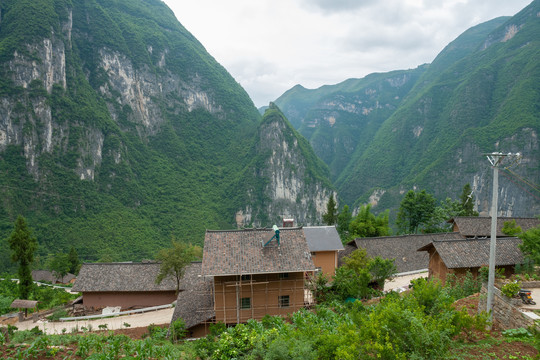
(158, 317)
(535, 293)
(402, 282)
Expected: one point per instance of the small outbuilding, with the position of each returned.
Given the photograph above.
(459, 256)
(24, 304)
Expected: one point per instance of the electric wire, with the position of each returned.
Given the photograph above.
(534, 186)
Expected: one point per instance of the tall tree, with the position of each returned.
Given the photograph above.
(59, 264)
(343, 221)
(467, 202)
(330, 217)
(438, 221)
(23, 245)
(415, 210)
(366, 224)
(175, 260)
(531, 244)
(74, 262)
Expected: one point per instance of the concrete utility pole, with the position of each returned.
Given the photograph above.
(495, 159)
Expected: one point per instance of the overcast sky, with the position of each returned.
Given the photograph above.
(269, 46)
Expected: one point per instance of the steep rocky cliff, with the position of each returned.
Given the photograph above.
(289, 179)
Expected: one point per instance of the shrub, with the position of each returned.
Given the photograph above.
(156, 332)
(511, 289)
(178, 330)
(459, 289)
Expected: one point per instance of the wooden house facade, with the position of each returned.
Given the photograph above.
(256, 272)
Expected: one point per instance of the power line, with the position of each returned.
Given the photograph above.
(521, 187)
(534, 186)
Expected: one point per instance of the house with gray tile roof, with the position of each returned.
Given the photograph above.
(128, 285)
(52, 277)
(459, 256)
(480, 226)
(402, 248)
(324, 244)
(256, 272)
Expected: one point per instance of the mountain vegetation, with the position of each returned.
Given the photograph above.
(119, 132)
(427, 128)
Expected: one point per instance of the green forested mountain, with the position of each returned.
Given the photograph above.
(341, 119)
(481, 94)
(118, 131)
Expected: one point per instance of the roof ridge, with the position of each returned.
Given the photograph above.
(407, 235)
(255, 229)
(483, 238)
(123, 263)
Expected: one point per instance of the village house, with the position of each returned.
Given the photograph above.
(402, 248)
(257, 272)
(457, 256)
(324, 244)
(480, 226)
(52, 277)
(128, 285)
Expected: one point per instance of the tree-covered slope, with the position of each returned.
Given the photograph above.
(342, 119)
(118, 131)
(480, 101)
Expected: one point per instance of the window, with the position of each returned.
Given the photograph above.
(283, 276)
(283, 301)
(245, 277)
(245, 303)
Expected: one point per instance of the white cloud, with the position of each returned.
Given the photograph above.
(271, 45)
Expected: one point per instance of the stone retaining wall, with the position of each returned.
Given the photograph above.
(506, 312)
(530, 284)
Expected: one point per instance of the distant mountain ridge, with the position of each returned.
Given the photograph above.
(479, 95)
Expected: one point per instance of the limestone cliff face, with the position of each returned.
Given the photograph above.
(28, 120)
(291, 181)
(515, 196)
(140, 88)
